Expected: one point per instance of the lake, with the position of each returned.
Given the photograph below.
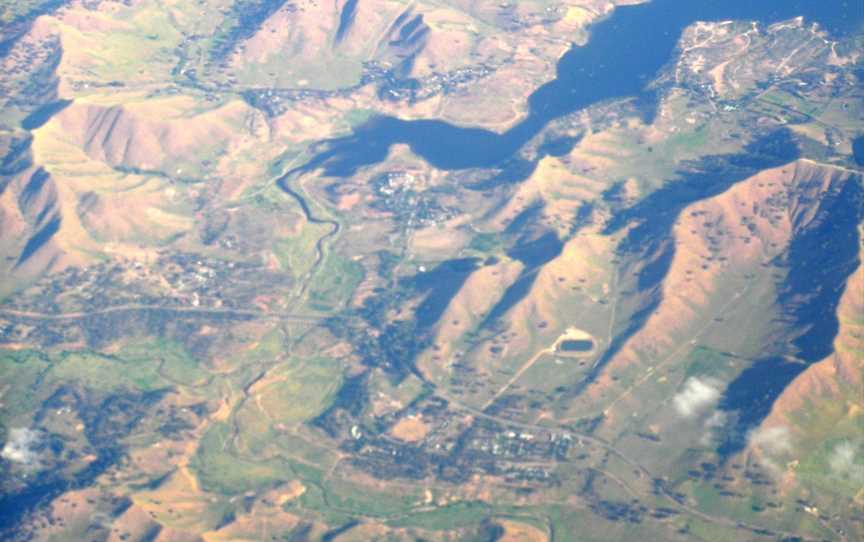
(576, 345)
(624, 53)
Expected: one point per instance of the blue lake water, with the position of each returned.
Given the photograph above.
(624, 53)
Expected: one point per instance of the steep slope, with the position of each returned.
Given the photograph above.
(423, 59)
(818, 420)
(30, 215)
(712, 289)
(172, 136)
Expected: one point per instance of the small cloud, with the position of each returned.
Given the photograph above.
(717, 420)
(845, 461)
(697, 395)
(713, 424)
(21, 447)
(774, 440)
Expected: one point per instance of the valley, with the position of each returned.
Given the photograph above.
(441, 271)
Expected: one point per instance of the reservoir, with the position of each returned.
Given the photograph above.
(624, 53)
(574, 345)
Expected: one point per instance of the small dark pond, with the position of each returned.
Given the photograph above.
(576, 345)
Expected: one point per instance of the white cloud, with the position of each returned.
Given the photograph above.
(843, 462)
(774, 440)
(20, 446)
(717, 420)
(696, 396)
(713, 424)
